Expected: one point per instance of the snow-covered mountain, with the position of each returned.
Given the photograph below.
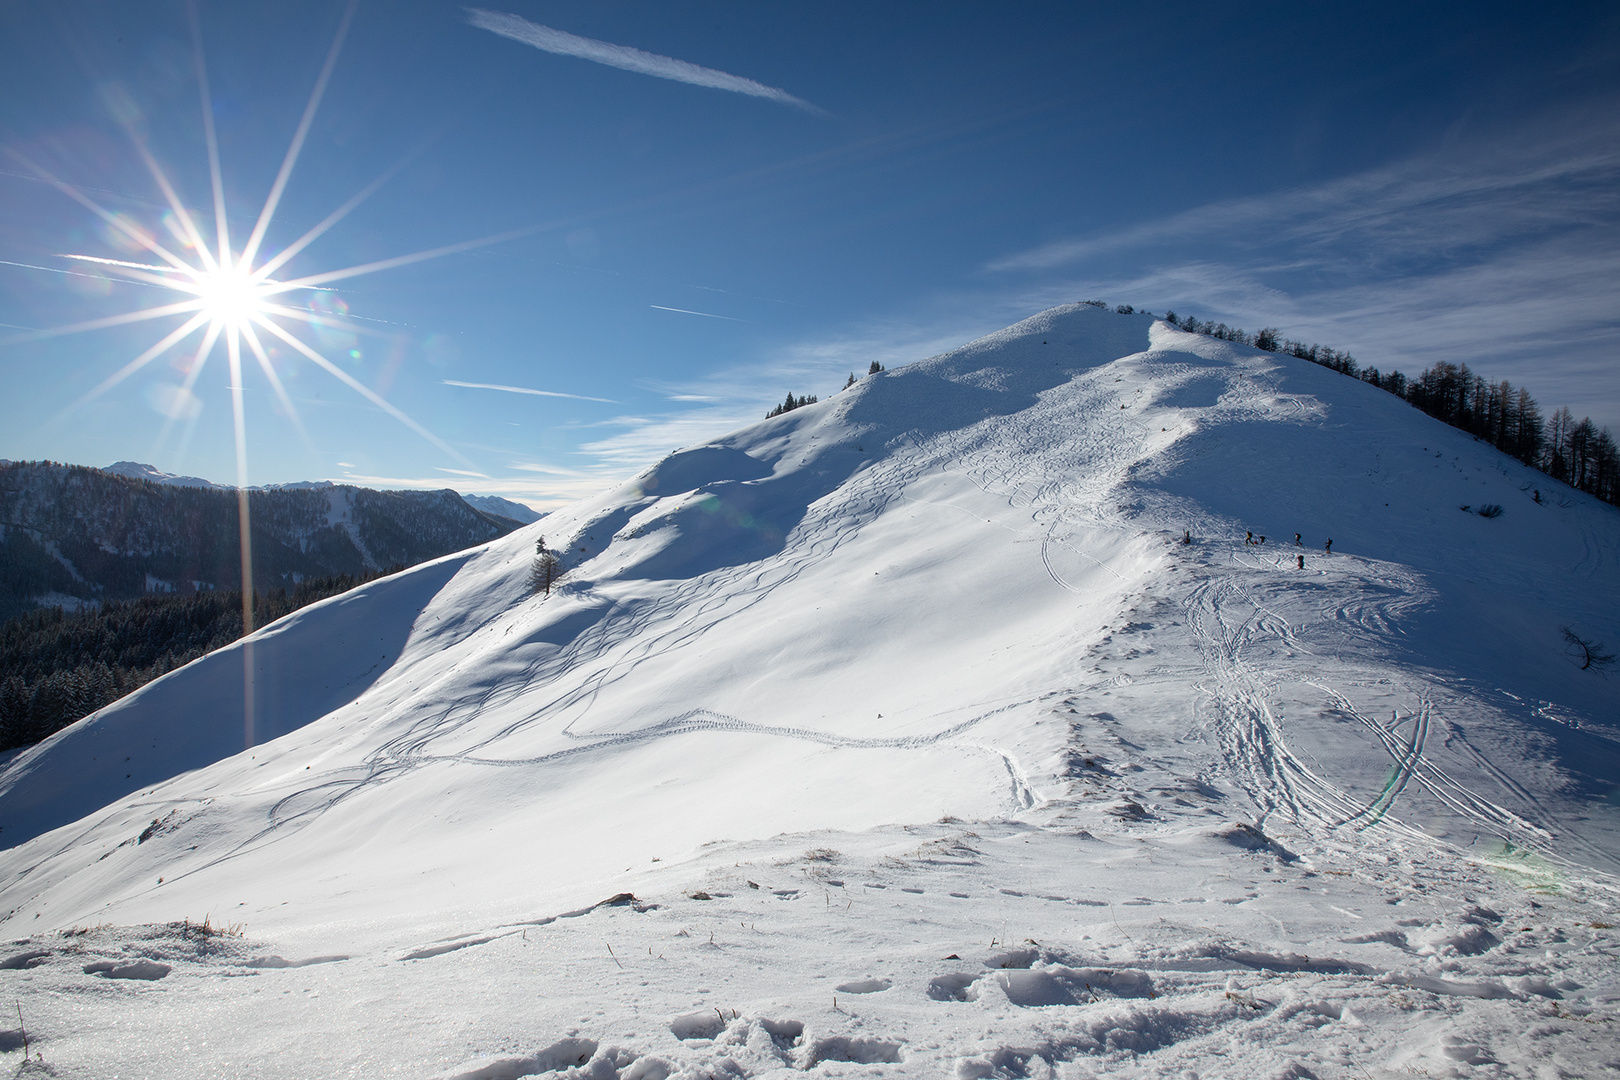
(494, 504)
(901, 734)
(74, 534)
(135, 470)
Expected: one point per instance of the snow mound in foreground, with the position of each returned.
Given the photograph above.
(932, 652)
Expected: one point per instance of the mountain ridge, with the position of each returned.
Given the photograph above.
(979, 640)
(78, 534)
(135, 470)
(720, 507)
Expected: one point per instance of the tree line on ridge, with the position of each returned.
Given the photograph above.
(1578, 453)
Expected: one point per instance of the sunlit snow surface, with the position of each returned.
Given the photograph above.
(924, 747)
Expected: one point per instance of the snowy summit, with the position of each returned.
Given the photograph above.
(136, 470)
(981, 720)
(494, 504)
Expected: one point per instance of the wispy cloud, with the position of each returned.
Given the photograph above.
(1435, 206)
(725, 400)
(626, 58)
(688, 311)
(1504, 254)
(525, 390)
(541, 495)
(549, 470)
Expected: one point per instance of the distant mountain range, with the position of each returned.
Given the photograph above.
(494, 504)
(70, 534)
(135, 470)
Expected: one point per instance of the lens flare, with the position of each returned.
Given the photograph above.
(228, 295)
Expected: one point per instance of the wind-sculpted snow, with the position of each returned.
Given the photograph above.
(978, 721)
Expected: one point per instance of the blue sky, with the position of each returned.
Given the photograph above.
(717, 203)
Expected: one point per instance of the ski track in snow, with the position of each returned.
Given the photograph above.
(1201, 850)
(704, 603)
(1228, 621)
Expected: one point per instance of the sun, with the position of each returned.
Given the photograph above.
(231, 297)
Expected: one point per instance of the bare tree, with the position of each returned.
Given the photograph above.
(1591, 652)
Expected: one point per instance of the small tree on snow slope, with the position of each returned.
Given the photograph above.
(545, 569)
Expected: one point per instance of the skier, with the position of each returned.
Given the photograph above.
(1296, 539)
(1328, 547)
(1248, 538)
(1301, 559)
(1186, 536)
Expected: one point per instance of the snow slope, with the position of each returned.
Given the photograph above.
(1075, 797)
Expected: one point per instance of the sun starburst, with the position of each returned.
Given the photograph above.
(229, 295)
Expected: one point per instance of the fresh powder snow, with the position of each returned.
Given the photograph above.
(959, 725)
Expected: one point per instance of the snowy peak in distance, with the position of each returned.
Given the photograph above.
(494, 504)
(137, 471)
(1015, 633)
(296, 485)
(77, 535)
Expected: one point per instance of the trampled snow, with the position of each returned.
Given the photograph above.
(896, 735)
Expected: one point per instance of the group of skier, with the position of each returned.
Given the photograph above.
(1251, 540)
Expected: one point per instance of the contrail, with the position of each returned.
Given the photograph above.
(689, 311)
(524, 390)
(627, 58)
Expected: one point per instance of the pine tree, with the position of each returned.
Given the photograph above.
(14, 699)
(1557, 445)
(545, 569)
(791, 403)
(1582, 441)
